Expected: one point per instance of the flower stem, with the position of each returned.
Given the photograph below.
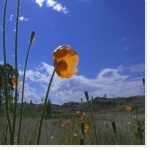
(5, 70)
(24, 74)
(45, 101)
(87, 97)
(16, 71)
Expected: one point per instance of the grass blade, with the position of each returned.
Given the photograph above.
(87, 98)
(16, 71)
(45, 101)
(114, 127)
(5, 70)
(24, 74)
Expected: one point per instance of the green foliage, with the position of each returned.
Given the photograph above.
(140, 130)
(48, 109)
(10, 87)
(114, 127)
(82, 128)
(4, 132)
(89, 109)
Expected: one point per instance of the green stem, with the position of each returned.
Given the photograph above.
(5, 70)
(16, 71)
(24, 74)
(87, 97)
(47, 93)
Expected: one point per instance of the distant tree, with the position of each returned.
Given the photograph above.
(48, 109)
(31, 105)
(31, 102)
(10, 73)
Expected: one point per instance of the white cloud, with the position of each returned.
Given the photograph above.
(23, 18)
(53, 4)
(132, 68)
(58, 7)
(40, 2)
(109, 81)
(11, 17)
(137, 68)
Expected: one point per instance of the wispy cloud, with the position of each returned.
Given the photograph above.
(124, 39)
(53, 4)
(132, 68)
(109, 81)
(23, 18)
(40, 2)
(125, 48)
(11, 17)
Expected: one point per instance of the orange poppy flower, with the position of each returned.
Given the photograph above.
(62, 125)
(75, 134)
(128, 108)
(77, 112)
(14, 81)
(86, 127)
(51, 137)
(83, 114)
(68, 60)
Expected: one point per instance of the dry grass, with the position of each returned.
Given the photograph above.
(61, 131)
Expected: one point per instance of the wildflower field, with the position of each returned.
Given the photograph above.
(71, 124)
(94, 121)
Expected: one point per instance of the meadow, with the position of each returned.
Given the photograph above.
(114, 125)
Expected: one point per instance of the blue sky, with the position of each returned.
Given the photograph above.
(108, 35)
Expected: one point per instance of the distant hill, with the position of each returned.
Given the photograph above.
(97, 104)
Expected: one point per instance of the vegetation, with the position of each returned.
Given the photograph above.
(10, 86)
(114, 125)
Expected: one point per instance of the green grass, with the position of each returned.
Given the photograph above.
(126, 129)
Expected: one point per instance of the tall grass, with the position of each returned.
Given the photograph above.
(60, 130)
(16, 71)
(94, 127)
(5, 70)
(45, 101)
(24, 74)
